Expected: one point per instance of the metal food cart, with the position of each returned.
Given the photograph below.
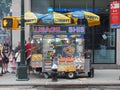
(62, 45)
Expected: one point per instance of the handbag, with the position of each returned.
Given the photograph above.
(6, 59)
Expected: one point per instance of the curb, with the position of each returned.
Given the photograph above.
(61, 85)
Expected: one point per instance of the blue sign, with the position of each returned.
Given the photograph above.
(115, 26)
(75, 9)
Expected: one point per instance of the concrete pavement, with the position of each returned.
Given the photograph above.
(102, 77)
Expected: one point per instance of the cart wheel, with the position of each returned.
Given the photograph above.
(70, 75)
(91, 73)
(46, 76)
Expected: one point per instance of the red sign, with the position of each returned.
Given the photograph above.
(115, 12)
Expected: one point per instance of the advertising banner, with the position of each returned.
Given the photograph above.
(115, 14)
(58, 29)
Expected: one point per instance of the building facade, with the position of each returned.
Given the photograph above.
(102, 40)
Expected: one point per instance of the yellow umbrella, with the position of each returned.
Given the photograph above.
(92, 19)
(49, 18)
(32, 18)
(56, 18)
(61, 18)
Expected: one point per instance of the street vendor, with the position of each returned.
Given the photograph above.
(33, 46)
(50, 54)
(28, 54)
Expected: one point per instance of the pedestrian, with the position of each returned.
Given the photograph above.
(5, 54)
(17, 56)
(28, 55)
(12, 64)
(17, 47)
(1, 46)
(1, 64)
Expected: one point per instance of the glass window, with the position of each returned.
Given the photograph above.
(41, 6)
(73, 3)
(103, 6)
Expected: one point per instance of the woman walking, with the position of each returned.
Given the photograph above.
(5, 54)
(1, 64)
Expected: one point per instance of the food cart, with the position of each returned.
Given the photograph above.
(62, 45)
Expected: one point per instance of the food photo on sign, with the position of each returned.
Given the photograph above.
(36, 60)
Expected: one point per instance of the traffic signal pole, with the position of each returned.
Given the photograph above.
(22, 69)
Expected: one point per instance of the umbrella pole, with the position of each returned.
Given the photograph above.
(93, 6)
(53, 5)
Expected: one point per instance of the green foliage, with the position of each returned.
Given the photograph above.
(5, 7)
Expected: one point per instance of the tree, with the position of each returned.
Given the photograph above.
(5, 6)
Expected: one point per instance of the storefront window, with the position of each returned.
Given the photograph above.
(102, 6)
(41, 6)
(101, 40)
(105, 52)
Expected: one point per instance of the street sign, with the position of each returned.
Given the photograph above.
(10, 23)
(7, 22)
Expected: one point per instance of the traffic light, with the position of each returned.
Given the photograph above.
(10, 23)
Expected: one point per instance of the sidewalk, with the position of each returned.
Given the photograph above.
(102, 77)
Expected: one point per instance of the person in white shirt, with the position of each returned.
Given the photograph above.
(17, 56)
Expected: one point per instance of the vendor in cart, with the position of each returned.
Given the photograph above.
(50, 54)
(28, 54)
(33, 46)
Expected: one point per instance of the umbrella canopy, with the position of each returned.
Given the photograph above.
(92, 19)
(55, 18)
(32, 18)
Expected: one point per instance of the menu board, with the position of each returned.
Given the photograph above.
(66, 64)
(47, 64)
(36, 60)
(70, 64)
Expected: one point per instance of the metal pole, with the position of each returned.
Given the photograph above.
(11, 39)
(53, 5)
(93, 6)
(93, 34)
(22, 33)
(22, 69)
(11, 34)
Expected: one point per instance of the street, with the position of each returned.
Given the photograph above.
(43, 88)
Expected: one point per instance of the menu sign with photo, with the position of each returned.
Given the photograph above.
(36, 60)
